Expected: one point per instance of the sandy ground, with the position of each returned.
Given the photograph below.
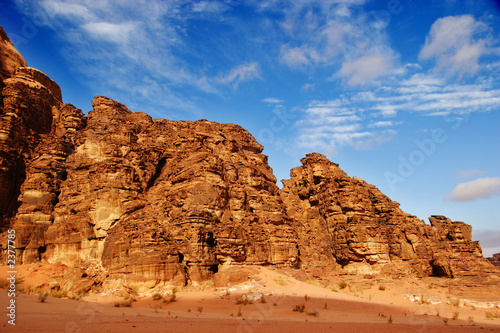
(360, 307)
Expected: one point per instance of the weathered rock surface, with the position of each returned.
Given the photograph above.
(495, 260)
(345, 221)
(119, 195)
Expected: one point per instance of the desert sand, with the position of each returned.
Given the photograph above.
(394, 306)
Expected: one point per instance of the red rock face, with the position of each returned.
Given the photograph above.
(345, 221)
(167, 200)
(118, 193)
(495, 260)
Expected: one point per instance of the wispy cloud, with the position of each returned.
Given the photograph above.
(333, 124)
(334, 35)
(112, 44)
(241, 73)
(116, 33)
(272, 100)
(482, 188)
(366, 69)
(455, 43)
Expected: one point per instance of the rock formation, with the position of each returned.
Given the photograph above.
(495, 260)
(118, 194)
(345, 221)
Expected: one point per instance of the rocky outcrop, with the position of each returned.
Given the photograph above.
(118, 195)
(495, 260)
(345, 221)
(167, 200)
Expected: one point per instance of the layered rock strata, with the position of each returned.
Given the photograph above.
(345, 221)
(495, 260)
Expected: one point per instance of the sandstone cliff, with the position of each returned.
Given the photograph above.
(345, 221)
(118, 194)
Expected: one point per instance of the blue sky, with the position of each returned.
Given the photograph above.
(402, 93)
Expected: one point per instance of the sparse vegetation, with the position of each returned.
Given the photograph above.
(492, 315)
(306, 297)
(382, 288)
(171, 297)
(240, 312)
(200, 309)
(127, 303)
(281, 280)
(157, 296)
(445, 321)
(389, 321)
(244, 300)
(343, 285)
(58, 293)
(314, 282)
(326, 305)
(42, 297)
(263, 299)
(156, 306)
(299, 308)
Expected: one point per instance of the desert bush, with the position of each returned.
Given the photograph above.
(306, 297)
(492, 315)
(155, 306)
(299, 308)
(127, 303)
(381, 288)
(157, 296)
(42, 297)
(169, 298)
(343, 285)
(281, 280)
(314, 282)
(245, 300)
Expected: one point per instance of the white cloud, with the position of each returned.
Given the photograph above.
(482, 188)
(331, 125)
(381, 124)
(366, 69)
(325, 34)
(241, 73)
(117, 33)
(272, 100)
(299, 56)
(209, 7)
(55, 8)
(454, 44)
